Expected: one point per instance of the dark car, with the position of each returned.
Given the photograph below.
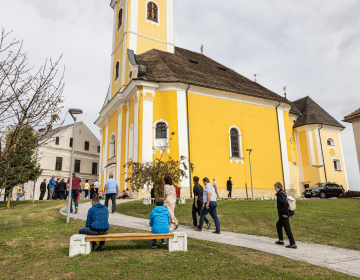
(324, 190)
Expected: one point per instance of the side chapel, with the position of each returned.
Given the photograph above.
(217, 114)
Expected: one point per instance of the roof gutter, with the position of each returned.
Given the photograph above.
(282, 163)
(188, 135)
(322, 152)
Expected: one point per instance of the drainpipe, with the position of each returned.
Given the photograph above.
(188, 135)
(282, 164)
(322, 152)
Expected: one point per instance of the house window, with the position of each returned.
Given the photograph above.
(112, 146)
(94, 168)
(77, 166)
(57, 141)
(117, 70)
(337, 165)
(71, 142)
(87, 145)
(161, 130)
(234, 142)
(330, 142)
(58, 165)
(152, 11)
(98, 149)
(120, 19)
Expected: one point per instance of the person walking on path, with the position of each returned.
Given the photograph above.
(198, 202)
(62, 189)
(97, 222)
(18, 193)
(86, 189)
(210, 206)
(215, 187)
(159, 221)
(42, 189)
(52, 186)
(229, 187)
(284, 214)
(75, 190)
(170, 200)
(112, 191)
(97, 187)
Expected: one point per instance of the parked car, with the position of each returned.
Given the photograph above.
(324, 190)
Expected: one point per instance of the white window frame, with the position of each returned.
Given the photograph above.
(161, 144)
(339, 164)
(148, 20)
(239, 142)
(332, 141)
(122, 20)
(112, 146)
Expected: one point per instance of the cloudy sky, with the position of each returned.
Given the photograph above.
(311, 47)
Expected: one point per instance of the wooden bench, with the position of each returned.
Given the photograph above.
(82, 244)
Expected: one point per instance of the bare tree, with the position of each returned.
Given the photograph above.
(30, 98)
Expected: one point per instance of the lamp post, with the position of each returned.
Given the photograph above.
(72, 113)
(252, 190)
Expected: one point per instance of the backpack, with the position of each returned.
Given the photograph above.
(291, 201)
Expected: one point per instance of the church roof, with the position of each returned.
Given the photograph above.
(353, 115)
(312, 113)
(197, 69)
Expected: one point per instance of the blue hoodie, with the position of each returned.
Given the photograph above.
(160, 220)
(98, 218)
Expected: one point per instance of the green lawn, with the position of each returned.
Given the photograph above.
(323, 221)
(34, 244)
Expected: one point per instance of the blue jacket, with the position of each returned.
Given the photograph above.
(160, 220)
(98, 218)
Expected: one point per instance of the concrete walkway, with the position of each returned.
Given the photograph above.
(342, 260)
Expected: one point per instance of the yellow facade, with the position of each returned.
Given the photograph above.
(199, 121)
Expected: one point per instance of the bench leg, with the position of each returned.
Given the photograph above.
(179, 243)
(78, 245)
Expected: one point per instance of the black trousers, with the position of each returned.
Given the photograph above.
(42, 194)
(197, 211)
(229, 195)
(284, 222)
(113, 199)
(61, 195)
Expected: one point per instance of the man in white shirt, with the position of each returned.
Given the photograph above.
(210, 205)
(97, 187)
(215, 187)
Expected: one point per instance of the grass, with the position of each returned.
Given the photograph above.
(322, 221)
(34, 244)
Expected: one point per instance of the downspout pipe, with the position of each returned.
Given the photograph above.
(282, 163)
(322, 152)
(188, 136)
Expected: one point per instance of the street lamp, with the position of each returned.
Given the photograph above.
(72, 113)
(252, 190)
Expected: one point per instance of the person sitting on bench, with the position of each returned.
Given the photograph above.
(125, 194)
(159, 221)
(97, 222)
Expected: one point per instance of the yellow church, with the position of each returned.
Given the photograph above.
(217, 115)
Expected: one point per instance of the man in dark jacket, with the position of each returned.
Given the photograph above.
(42, 189)
(229, 187)
(97, 222)
(62, 189)
(284, 214)
(198, 202)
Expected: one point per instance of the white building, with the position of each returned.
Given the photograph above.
(354, 118)
(55, 157)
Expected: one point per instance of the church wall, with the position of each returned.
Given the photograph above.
(338, 177)
(123, 153)
(116, 85)
(101, 169)
(210, 121)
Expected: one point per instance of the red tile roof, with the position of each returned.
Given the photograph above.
(353, 114)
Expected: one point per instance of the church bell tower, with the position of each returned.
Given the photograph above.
(139, 26)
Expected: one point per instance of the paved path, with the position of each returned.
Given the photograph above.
(346, 261)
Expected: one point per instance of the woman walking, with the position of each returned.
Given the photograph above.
(86, 189)
(170, 199)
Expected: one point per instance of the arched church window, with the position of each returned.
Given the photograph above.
(235, 143)
(117, 70)
(112, 146)
(152, 11)
(330, 142)
(161, 130)
(120, 18)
